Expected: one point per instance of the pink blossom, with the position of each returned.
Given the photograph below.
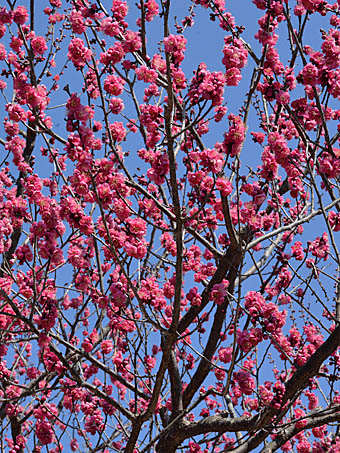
(248, 339)
(225, 354)
(24, 253)
(119, 9)
(207, 85)
(146, 74)
(158, 63)
(245, 381)
(152, 10)
(149, 363)
(94, 422)
(20, 15)
(110, 27)
(261, 4)
(194, 297)
(118, 296)
(116, 105)
(37, 97)
(114, 85)
(311, 5)
(175, 45)
(159, 168)
(6, 16)
(78, 53)
(169, 244)
(39, 45)
(132, 41)
(77, 22)
(320, 247)
(297, 251)
(117, 131)
(113, 55)
(106, 346)
(235, 54)
(220, 111)
(225, 186)
(16, 112)
(3, 53)
(334, 220)
(266, 394)
(234, 138)
(219, 292)
(44, 432)
(309, 74)
(74, 445)
(87, 345)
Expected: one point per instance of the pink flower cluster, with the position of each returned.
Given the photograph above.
(152, 10)
(118, 295)
(245, 381)
(267, 312)
(159, 168)
(76, 111)
(132, 41)
(310, 5)
(266, 394)
(329, 165)
(225, 354)
(175, 46)
(320, 247)
(110, 27)
(151, 117)
(20, 15)
(194, 296)
(91, 84)
(78, 53)
(73, 213)
(310, 74)
(213, 160)
(77, 21)
(44, 432)
(152, 294)
(234, 138)
(224, 186)
(219, 292)
(331, 49)
(36, 97)
(234, 59)
(39, 45)
(255, 191)
(169, 243)
(119, 9)
(334, 220)
(94, 423)
(113, 55)
(146, 74)
(248, 339)
(206, 85)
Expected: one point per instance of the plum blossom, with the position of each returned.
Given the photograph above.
(245, 381)
(78, 53)
(175, 45)
(44, 432)
(39, 45)
(219, 292)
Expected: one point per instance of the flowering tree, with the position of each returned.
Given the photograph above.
(156, 293)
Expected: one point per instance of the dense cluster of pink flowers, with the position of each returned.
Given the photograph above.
(207, 85)
(132, 226)
(78, 53)
(234, 59)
